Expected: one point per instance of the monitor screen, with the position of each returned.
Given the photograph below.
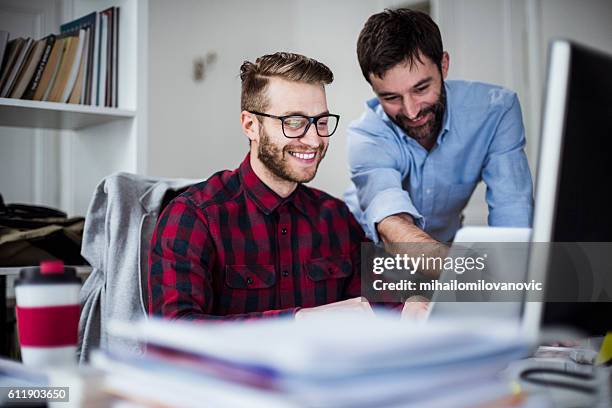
(574, 172)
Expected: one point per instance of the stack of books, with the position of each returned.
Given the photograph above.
(78, 65)
(336, 361)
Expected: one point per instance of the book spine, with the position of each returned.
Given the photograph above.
(56, 71)
(22, 57)
(33, 85)
(96, 62)
(85, 62)
(103, 60)
(73, 69)
(116, 59)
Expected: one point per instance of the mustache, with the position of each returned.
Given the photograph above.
(297, 149)
(420, 114)
(435, 109)
(319, 151)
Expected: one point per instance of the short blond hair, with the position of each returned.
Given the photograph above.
(285, 65)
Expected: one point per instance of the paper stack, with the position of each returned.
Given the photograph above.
(336, 361)
(82, 386)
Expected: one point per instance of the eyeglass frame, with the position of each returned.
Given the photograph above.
(311, 120)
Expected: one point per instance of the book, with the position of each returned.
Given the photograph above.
(92, 87)
(91, 23)
(74, 69)
(108, 84)
(70, 52)
(38, 73)
(86, 64)
(50, 70)
(75, 26)
(76, 96)
(102, 78)
(115, 80)
(28, 69)
(4, 36)
(16, 68)
(12, 49)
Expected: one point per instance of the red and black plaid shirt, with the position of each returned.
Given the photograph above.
(231, 248)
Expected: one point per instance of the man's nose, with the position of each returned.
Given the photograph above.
(411, 107)
(311, 138)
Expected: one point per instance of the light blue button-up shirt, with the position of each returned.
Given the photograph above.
(482, 138)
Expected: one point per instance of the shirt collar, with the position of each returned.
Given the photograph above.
(264, 197)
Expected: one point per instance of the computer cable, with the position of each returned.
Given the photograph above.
(528, 376)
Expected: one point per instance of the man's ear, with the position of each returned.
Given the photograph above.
(445, 63)
(250, 126)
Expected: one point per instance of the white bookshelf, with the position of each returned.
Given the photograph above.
(53, 115)
(90, 142)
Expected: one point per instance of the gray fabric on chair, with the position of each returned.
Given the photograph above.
(118, 228)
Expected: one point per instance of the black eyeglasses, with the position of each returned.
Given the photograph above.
(296, 126)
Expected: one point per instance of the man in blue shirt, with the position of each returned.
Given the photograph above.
(421, 147)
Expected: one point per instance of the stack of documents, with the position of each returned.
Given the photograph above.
(338, 360)
(80, 384)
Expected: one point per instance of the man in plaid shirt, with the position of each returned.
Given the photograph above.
(255, 242)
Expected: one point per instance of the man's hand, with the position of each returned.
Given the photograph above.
(396, 231)
(415, 308)
(354, 305)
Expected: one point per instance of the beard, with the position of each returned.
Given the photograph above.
(432, 127)
(277, 160)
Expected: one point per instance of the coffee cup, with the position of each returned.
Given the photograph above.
(47, 312)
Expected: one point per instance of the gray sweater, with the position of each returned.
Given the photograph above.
(118, 228)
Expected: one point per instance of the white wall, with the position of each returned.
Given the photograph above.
(586, 21)
(486, 41)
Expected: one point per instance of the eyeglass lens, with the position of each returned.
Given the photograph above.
(296, 126)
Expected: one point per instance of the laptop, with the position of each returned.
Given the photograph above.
(507, 252)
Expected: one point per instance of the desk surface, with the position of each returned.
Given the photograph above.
(14, 270)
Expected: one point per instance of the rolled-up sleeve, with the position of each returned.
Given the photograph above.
(376, 168)
(506, 173)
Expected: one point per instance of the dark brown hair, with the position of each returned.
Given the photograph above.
(395, 36)
(289, 66)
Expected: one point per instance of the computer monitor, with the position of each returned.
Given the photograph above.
(574, 174)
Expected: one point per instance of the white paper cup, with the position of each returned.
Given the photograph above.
(48, 314)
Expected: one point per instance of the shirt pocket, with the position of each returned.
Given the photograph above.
(248, 288)
(325, 280)
(333, 267)
(250, 276)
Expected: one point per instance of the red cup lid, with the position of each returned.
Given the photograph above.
(51, 267)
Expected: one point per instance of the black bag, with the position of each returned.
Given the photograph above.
(30, 234)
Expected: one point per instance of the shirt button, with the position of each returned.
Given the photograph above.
(285, 273)
(428, 191)
(284, 231)
(249, 281)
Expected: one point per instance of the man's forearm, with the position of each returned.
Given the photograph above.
(397, 230)
(400, 228)
(202, 317)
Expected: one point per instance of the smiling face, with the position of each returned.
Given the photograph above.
(283, 160)
(413, 97)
